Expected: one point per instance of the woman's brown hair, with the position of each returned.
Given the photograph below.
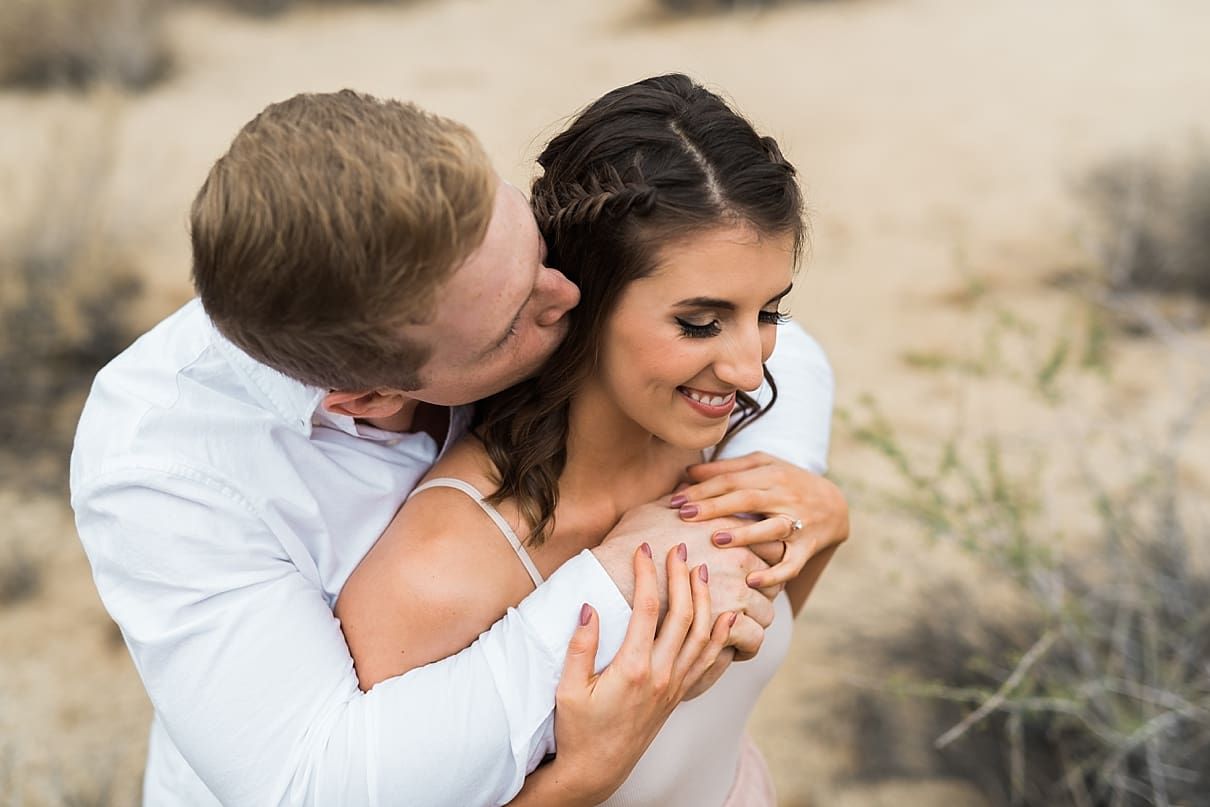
(645, 164)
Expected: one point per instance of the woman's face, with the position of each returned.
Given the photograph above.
(683, 340)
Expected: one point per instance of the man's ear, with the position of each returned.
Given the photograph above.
(381, 403)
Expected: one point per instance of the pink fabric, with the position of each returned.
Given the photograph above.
(753, 785)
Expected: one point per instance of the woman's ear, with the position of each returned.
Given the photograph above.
(373, 404)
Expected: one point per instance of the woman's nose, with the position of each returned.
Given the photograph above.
(741, 363)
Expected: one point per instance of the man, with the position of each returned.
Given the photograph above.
(362, 275)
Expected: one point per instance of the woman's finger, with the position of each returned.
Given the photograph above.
(773, 528)
(579, 663)
(640, 633)
(797, 555)
(717, 641)
(698, 637)
(748, 500)
(677, 621)
(755, 478)
(705, 470)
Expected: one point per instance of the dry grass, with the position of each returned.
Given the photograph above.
(1153, 222)
(265, 8)
(1083, 678)
(65, 288)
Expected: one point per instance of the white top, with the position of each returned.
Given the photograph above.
(692, 762)
(222, 510)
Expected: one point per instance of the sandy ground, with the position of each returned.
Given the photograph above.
(937, 140)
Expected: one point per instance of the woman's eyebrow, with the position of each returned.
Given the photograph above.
(706, 302)
(777, 297)
(725, 305)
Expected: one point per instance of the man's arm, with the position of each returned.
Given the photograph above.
(249, 672)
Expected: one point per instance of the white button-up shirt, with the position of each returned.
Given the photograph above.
(222, 509)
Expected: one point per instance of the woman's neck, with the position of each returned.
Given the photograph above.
(612, 458)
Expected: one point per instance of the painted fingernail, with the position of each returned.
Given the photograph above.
(689, 511)
(754, 581)
(585, 614)
(723, 538)
(646, 547)
(703, 573)
(682, 552)
(678, 500)
(731, 621)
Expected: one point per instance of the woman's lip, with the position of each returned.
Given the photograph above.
(706, 409)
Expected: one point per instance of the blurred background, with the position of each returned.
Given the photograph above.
(1010, 208)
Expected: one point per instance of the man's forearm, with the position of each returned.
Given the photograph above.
(465, 730)
(254, 687)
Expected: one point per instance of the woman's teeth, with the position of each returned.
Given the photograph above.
(708, 400)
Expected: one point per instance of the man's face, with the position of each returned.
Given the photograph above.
(499, 316)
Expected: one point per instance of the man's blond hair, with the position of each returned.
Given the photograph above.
(331, 222)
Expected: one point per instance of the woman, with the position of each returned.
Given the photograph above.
(682, 227)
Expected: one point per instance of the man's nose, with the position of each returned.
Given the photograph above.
(559, 295)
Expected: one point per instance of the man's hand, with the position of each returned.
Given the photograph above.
(658, 525)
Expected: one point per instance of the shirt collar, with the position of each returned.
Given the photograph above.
(293, 401)
(300, 405)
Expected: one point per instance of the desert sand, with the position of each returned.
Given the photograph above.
(938, 142)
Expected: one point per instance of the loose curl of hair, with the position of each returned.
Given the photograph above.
(643, 166)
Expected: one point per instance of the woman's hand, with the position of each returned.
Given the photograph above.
(785, 495)
(604, 723)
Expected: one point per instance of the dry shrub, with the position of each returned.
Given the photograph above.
(20, 576)
(77, 42)
(1089, 684)
(265, 8)
(713, 6)
(1153, 222)
(65, 293)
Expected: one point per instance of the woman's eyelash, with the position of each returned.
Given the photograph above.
(698, 331)
(713, 328)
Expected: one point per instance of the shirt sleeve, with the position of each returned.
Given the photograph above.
(250, 676)
(798, 426)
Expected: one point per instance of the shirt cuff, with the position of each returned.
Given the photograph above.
(552, 611)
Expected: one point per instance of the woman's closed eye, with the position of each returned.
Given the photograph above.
(702, 330)
(699, 330)
(774, 317)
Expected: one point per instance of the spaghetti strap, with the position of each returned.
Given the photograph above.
(494, 514)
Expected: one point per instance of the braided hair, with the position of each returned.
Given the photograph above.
(645, 164)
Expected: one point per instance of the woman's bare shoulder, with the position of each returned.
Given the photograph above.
(467, 460)
(439, 576)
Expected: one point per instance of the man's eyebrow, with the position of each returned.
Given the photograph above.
(726, 305)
